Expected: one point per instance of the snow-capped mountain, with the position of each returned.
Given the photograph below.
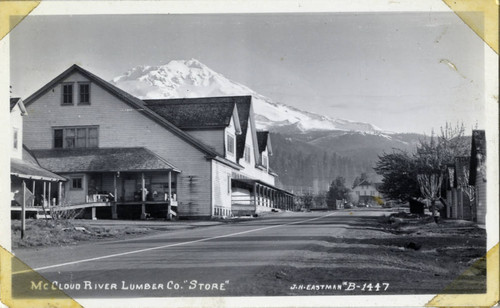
(191, 78)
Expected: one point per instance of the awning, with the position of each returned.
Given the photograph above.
(249, 183)
(102, 160)
(27, 170)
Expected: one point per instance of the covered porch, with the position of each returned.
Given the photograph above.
(33, 189)
(253, 196)
(116, 183)
(134, 194)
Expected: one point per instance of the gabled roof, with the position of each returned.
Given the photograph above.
(243, 103)
(28, 156)
(364, 182)
(28, 168)
(197, 113)
(478, 154)
(264, 141)
(101, 160)
(17, 101)
(135, 103)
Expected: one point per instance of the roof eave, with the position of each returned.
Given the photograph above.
(227, 162)
(38, 177)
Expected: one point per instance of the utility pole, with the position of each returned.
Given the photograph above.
(23, 211)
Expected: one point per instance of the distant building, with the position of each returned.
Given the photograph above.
(201, 156)
(365, 192)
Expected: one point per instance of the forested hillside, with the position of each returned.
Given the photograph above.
(311, 161)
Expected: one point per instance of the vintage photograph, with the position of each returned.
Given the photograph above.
(311, 154)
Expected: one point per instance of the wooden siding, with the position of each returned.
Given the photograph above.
(221, 178)
(75, 196)
(211, 137)
(16, 122)
(480, 200)
(467, 207)
(122, 126)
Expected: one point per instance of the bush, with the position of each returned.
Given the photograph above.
(66, 214)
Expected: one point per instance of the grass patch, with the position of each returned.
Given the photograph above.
(40, 233)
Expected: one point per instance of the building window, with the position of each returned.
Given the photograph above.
(15, 138)
(69, 138)
(247, 154)
(230, 144)
(76, 137)
(84, 89)
(67, 94)
(76, 183)
(58, 138)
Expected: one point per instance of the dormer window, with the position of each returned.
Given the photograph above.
(67, 94)
(230, 144)
(84, 93)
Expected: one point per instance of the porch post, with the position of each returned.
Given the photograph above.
(23, 211)
(255, 194)
(114, 214)
(143, 205)
(34, 194)
(50, 201)
(44, 193)
(169, 205)
(59, 194)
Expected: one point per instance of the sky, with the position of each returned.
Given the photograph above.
(403, 72)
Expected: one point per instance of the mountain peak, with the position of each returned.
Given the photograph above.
(191, 78)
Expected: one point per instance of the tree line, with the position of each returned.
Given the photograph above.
(302, 167)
